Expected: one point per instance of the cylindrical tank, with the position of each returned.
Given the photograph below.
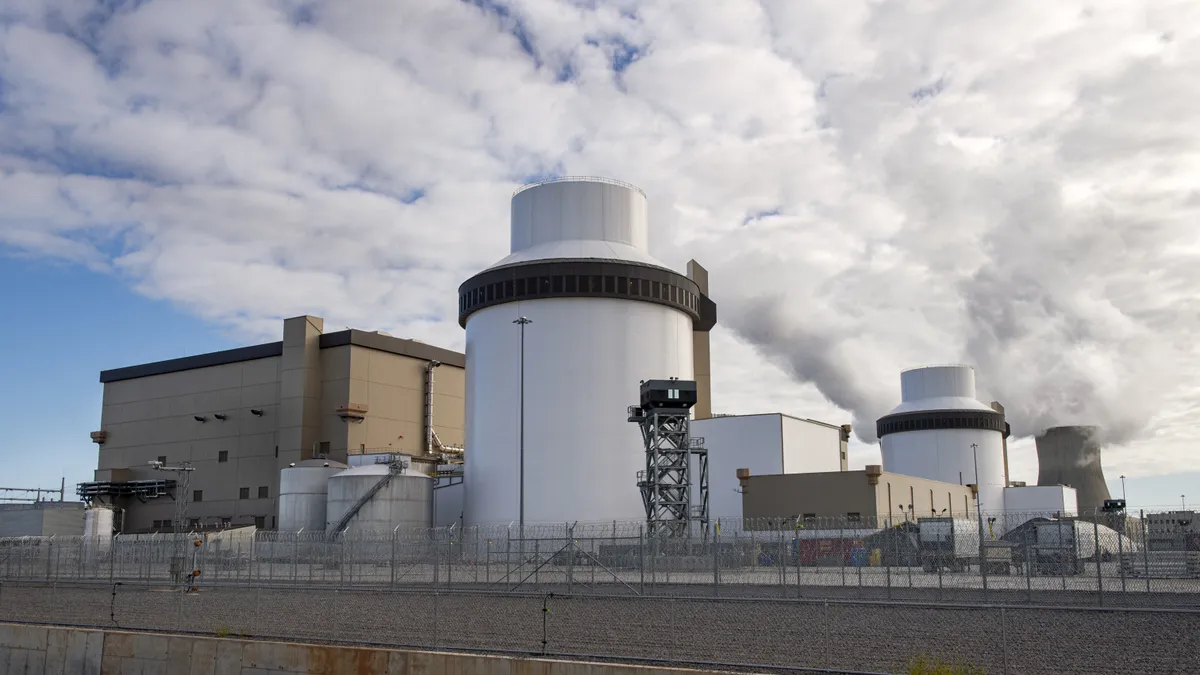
(940, 429)
(406, 501)
(303, 493)
(98, 522)
(604, 315)
(1071, 456)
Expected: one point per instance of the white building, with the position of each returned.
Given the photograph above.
(940, 431)
(770, 443)
(547, 399)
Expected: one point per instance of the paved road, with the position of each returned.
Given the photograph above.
(876, 637)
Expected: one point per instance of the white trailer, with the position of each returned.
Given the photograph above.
(1063, 545)
(948, 542)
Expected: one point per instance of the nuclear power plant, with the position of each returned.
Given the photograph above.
(574, 334)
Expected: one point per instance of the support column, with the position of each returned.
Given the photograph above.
(300, 389)
(701, 360)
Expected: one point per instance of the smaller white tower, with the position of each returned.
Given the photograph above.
(940, 429)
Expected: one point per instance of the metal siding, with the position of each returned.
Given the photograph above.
(941, 454)
(62, 522)
(584, 358)
(809, 447)
(752, 442)
(578, 210)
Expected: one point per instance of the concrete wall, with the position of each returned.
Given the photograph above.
(47, 650)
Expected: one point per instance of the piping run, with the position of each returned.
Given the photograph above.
(429, 405)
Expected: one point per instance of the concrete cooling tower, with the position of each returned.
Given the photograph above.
(570, 323)
(1071, 456)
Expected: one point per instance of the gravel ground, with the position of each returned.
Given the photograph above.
(837, 634)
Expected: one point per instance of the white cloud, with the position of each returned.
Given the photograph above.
(872, 186)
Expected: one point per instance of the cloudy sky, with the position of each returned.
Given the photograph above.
(873, 185)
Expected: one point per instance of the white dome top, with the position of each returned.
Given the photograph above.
(938, 388)
(579, 218)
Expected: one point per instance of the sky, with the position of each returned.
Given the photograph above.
(873, 186)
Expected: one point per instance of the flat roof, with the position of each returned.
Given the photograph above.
(357, 338)
(718, 416)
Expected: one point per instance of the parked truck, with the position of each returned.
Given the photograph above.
(950, 543)
(1062, 546)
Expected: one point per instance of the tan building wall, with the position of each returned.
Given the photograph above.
(298, 386)
(832, 498)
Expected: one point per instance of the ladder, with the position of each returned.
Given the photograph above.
(394, 469)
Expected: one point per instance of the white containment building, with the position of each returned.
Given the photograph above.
(303, 491)
(931, 433)
(603, 315)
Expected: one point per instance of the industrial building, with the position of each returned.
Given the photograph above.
(236, 418)
(771, 443)
(41, 519)
(559, 336)
(873, 498)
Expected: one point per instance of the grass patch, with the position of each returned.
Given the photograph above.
(925, 666)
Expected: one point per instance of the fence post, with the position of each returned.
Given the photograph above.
(434, 544)
(1099, 572)
(1030, 559)
(1145, 551)
(1121, 557)
(570, 556)
(642, 559)
(1004, 638)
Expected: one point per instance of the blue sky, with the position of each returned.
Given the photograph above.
(64, 325)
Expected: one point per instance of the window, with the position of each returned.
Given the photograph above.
(809, 518)
(197, 495)
(572, 283)
(194, 522)
(272, 522)
(323, 448)
(623, 285)
(162, 459)
(854, 517)
(223, 456)
(520, 287)
(244, 493)
(226, 522)
(262, 492)
(610, 284)
(277, 451)
(508, 288)
(260, 522)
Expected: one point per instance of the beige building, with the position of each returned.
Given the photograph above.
(872, 497)
(239, 416)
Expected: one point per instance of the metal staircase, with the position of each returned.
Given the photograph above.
(394, 469)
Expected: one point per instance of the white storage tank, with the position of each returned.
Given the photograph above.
(603, 316)
(931, 433)
(406, 501)
(98, 522)
(303, 494)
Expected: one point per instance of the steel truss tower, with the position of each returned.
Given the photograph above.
(667, 481)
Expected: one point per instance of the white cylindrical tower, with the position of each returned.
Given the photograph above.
(603, 316)
(404, 502)
(303, 490)
(931, 433)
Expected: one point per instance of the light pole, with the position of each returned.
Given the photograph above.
(1182, 502)
(1123, 489)
(979, 515)
(522, 322)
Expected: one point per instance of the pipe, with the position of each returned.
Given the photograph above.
(429, 405)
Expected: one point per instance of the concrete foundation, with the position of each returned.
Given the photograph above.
(51, 650)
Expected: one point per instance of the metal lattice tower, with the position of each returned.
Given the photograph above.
(670, 475)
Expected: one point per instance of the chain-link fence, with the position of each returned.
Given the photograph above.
(761, 634)
(1107, 560)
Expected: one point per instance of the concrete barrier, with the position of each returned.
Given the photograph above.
(51, 650)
